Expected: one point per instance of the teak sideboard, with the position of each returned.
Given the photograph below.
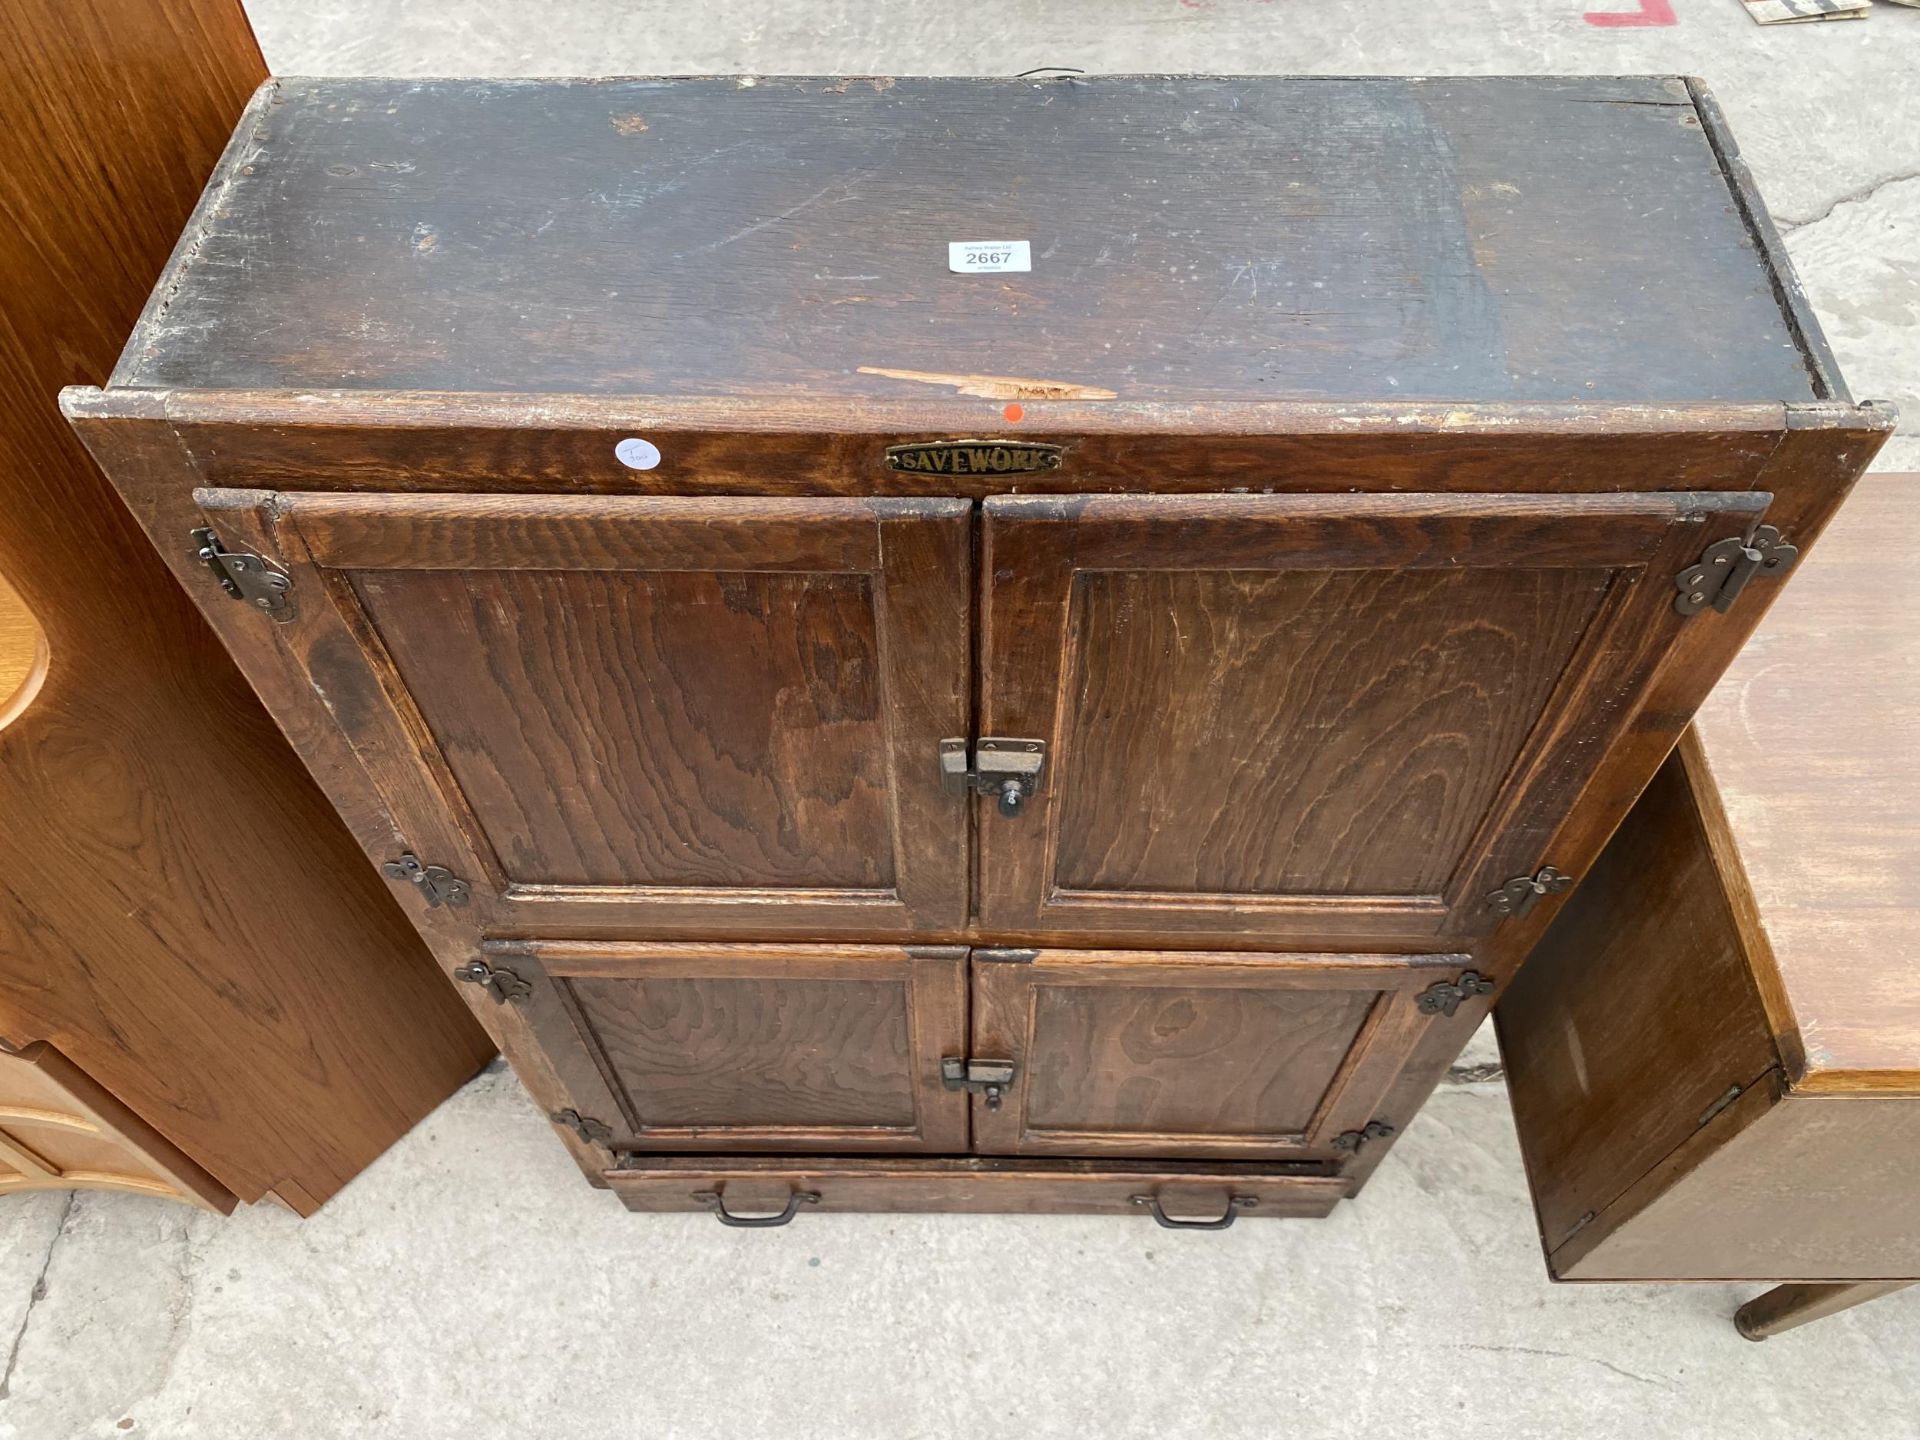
(871, 724)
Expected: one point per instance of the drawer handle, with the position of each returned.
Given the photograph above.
(717, 1203)
(1235, 1204)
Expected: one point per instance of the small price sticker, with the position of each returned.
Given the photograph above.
(988, 257)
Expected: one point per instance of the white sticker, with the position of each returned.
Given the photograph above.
(988, 257)
(637, 454)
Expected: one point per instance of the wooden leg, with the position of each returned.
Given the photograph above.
(1786, 1306)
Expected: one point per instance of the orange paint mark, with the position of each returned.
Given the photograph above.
(1015, 414)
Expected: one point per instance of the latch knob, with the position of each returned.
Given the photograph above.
(1007, 769)
(987, 1078)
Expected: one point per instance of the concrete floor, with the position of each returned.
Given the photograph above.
(470, 1285)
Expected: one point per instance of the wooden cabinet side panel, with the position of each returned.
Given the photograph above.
(1635, 1015)
(182, 915)
(1819, 1188)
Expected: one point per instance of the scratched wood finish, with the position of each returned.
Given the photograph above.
(1360, 711)
(607, 706)
(789, 1049)
(1711, 944)
(183, 915)
(1143, 1053)
(60, 1131)
(1566, 238)
(1578, 447)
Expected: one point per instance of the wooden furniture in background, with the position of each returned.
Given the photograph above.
(980, 740)
(1714, 1054)
(181, 913)
(60, 1131)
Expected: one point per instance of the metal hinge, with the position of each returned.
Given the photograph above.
(1443, 997)
(246, 576)
(1728, 566)
(502, 985)
(984, 1077)
(594, 1132)
(439, 884)
(1007, 769)
(1520, 894)
(1352, 1140)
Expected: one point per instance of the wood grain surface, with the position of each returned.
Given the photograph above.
(1359, 711)
(1636, 1016)
(1811, 742)
(600, 708)
(1144, 1053)
(60, 1131)
(182, 913)
(798, 1049)
(1566, 238)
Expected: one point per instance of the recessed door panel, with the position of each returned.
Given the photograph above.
(633, 716)
(1193, 1054)
(1311, 718)
(783, 1049)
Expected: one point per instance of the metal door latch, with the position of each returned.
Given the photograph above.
(990, 1078)
(246, 576)
(1727, 566)
(1007, 769)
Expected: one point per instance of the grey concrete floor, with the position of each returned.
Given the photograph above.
(470, 1285)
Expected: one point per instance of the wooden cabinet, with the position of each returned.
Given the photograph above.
(184, 920)
(1748, 937)
(870, 735)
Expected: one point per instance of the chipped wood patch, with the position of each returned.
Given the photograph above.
(998, 387)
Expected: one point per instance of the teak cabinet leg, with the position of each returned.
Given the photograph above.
(1787, 1306)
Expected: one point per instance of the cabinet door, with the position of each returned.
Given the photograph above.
(1318, 719)
(625, 715)
(1195, 1054)
(786, 1049)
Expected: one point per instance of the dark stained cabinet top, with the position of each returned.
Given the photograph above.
(1223, 239)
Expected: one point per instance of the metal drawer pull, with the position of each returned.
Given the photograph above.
(717, 1203)
(1235, 1204)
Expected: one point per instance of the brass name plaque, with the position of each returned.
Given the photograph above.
(973, 457)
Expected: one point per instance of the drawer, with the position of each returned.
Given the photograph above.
(60, 1130)
(770, 1191)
